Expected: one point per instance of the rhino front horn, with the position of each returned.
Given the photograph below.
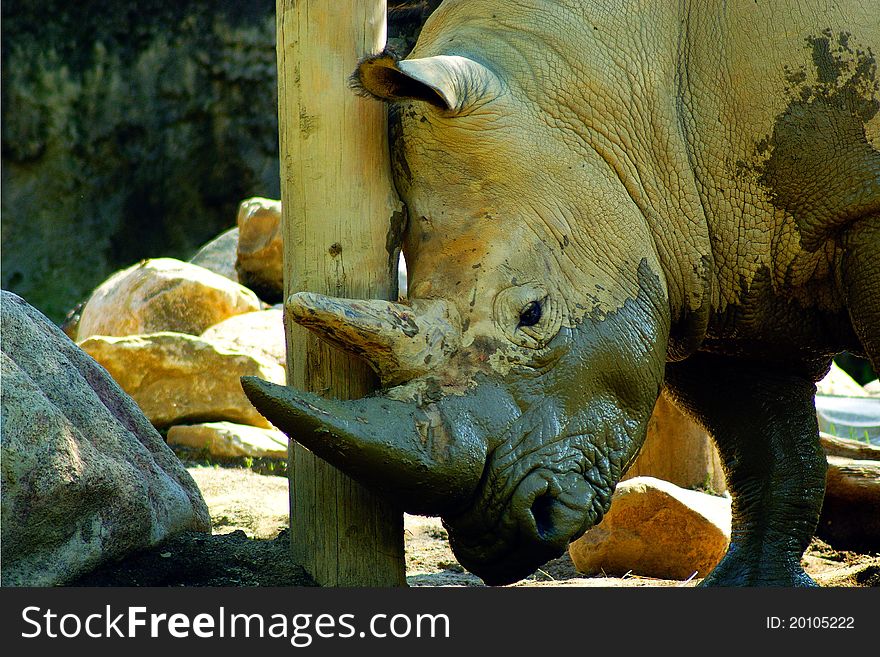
(427, 459)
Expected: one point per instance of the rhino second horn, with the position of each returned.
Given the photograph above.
(423, 461)
(400, 342)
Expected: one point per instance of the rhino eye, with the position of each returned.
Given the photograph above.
(527, 315)
(531, 314)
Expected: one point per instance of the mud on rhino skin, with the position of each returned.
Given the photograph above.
(594, 212)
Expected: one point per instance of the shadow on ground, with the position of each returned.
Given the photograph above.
(250, 547)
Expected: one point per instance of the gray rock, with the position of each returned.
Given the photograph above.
(218, 255)
(85, 477)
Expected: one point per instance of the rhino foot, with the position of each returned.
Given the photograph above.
(763, 420)
(738, 569)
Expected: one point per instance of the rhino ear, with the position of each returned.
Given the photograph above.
(449, 82)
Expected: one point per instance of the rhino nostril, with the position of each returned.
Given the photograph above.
(542, 512)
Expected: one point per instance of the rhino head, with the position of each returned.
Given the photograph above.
(520, 375)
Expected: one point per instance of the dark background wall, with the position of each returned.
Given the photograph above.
(129, 130)
(132, 130)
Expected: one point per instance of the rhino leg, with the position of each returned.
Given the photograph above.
(764, 423)
(861, 284)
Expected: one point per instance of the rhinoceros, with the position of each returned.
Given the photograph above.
(606, 197)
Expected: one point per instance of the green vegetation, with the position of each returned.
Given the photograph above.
(199, 458)
(858, 368)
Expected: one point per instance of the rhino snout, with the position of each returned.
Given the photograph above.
(546, 511)
(552, 509)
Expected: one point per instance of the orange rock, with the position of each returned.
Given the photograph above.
(656, 529)
(162, 294)
(177, 378)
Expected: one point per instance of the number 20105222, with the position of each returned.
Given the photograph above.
(811, 623)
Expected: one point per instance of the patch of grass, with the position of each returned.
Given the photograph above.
(451, 566)
(852, 433)
(440, 534)
(198, 458)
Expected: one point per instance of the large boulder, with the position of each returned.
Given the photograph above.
(85, 477)
(656, 529)
(226, 440)
(163, 294)
(177, 378)
(260, 333)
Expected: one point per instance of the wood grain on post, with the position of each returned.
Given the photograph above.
(338, 210)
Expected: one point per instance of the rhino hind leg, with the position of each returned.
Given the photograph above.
(764, 423)
(861, 284)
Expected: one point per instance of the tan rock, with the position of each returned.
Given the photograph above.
(219, 255)
(229, 440)
(259, 260)
(873, 388)
(163, 294)
(678, 450)
(86, 479)
(261, 333)
(177, 378)
(656, 529)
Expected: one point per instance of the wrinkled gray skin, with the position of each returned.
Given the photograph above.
(606, 197)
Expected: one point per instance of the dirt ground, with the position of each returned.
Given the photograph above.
(249, 547)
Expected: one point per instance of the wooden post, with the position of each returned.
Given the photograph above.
(338, 206)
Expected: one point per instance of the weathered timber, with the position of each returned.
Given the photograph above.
(339, 208)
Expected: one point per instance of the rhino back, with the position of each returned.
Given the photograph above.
(780, 102)
(743, 135)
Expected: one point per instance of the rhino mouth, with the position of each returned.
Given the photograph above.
(545, 512)
(505, 562)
